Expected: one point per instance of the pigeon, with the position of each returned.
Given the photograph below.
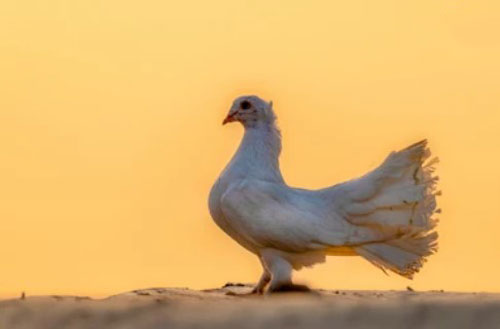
(386, 216)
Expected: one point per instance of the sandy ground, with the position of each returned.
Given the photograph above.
(220, 308)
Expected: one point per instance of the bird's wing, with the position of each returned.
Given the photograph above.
(276, 216)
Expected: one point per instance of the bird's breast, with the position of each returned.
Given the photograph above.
(214, 203)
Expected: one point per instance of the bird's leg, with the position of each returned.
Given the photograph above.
(263, 281)
(260, 286)
(281, 273)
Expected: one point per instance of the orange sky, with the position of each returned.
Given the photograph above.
(111, 136)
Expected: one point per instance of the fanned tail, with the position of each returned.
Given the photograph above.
(404, 256)
(404, 207)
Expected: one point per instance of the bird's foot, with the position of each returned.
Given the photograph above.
(241, 286)
(257, 291)
(243, 294)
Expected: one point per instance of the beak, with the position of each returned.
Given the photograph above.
(228, 119)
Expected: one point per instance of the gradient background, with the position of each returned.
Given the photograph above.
(111, 136)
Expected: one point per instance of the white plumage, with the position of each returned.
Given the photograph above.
(384, 216)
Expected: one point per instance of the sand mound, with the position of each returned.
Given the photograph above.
(221, 308)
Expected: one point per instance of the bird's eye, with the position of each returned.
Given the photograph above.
(245, 105)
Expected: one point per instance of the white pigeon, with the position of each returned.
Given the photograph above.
(384, 216)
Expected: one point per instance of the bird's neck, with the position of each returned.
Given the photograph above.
(258, 153)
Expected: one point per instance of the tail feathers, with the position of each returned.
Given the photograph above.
(404, 256)
(398, 201)
(406, 192)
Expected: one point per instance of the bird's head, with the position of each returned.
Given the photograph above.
(250, 111)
